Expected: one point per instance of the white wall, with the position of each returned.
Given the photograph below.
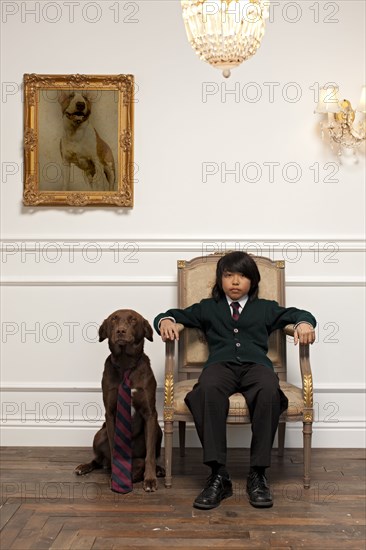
(51, 376)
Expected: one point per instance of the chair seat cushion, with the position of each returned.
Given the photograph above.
(238, 407)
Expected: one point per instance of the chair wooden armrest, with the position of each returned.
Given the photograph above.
(169, 360)
(308, 411)
(169, 404)
(289, 330)
(305, 368)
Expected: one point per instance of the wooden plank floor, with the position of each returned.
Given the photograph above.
(45, 506)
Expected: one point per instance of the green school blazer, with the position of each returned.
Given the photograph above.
(245, 340)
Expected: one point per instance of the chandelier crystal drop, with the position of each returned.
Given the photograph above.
(225, 33)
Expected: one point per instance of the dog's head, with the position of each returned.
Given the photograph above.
(75, 105)
(125, 328)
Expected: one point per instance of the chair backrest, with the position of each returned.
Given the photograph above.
(195, 281)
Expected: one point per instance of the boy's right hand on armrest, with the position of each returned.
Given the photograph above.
(169, 330)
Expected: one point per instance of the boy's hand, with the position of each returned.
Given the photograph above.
(304, 334)
(168, 330)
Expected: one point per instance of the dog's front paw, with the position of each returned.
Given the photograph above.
(83, 469)
(150, 485)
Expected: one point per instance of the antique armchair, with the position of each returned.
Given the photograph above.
(195, 280)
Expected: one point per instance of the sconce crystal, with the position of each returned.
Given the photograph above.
(225, 33)
(340, 118)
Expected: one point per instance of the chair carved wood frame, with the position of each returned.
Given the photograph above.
(195, 281)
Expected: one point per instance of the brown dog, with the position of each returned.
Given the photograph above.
(126, 330)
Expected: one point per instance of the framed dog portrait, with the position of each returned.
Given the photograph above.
(78, 140)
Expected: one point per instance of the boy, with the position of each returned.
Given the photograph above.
(237, 325)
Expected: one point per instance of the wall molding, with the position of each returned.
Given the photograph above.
(206, 244)
(90, 387)
(82, 424)
(277, 248)
(99, 280)
(347, 434)
(160, 281)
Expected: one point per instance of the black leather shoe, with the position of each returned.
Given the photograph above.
(217, 488)
(258, 491)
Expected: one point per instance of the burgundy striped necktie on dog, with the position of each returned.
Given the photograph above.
(235, 306)
(122, 450)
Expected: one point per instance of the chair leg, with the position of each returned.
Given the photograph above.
(182, 438)
(307, 432)
(281, 438)
(168, 444)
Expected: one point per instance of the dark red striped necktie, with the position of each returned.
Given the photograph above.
(122, 451)
(235, 306)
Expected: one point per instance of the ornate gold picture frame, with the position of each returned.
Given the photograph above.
(78, 140)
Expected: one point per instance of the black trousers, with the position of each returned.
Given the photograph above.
(209, 404)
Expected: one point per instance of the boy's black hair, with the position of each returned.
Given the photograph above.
(236, 262)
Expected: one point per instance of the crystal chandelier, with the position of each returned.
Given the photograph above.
(340, 118)
(225, 33)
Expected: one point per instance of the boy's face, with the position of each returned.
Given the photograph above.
(235, 285)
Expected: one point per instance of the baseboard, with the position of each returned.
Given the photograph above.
(350, 434)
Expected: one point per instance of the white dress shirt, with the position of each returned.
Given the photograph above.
(243, 300)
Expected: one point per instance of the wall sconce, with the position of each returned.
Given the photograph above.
(225, 33)
(340, 119)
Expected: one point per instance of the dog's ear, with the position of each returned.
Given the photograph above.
(62, 95)
(63, 99)
(148, 331)
(103, 330)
